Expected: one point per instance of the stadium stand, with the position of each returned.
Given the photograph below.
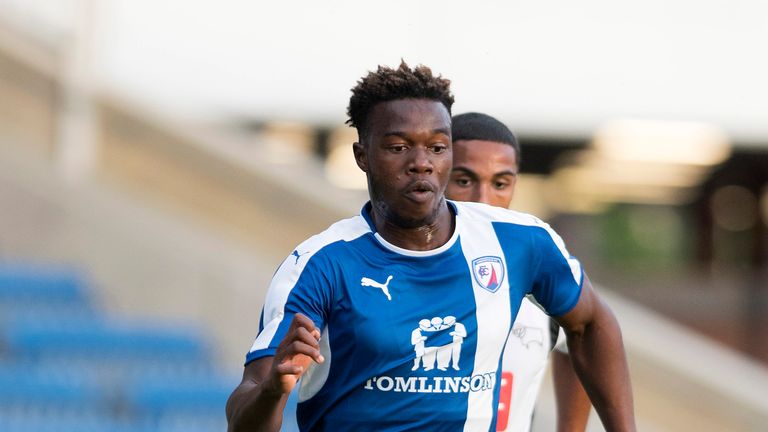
(65, 365)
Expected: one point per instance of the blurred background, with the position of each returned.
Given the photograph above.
(159, 159)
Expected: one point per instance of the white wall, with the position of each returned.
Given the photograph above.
(544, 67)
(547, 66)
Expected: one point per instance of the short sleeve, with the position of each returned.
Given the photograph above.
(304, 289)
(558, 276)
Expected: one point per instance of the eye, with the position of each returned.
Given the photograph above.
(439, 148)
(463, 181)
(397, 148)
(500, 185)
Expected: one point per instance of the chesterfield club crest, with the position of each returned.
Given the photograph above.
(488, 272)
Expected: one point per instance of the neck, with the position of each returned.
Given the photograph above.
(426, 237)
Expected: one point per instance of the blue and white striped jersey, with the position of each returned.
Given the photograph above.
(412, 340)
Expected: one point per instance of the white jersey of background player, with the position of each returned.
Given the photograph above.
(534, 335)
(486, 157)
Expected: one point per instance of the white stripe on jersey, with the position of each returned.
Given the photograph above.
(470, 209)
(288, 273)
(493, 318)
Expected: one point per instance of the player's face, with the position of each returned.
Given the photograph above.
(483, 171)
(406, 154)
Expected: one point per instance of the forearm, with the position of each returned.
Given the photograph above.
(573, 405)
(251, 407)
(257, 404)
(598, 357)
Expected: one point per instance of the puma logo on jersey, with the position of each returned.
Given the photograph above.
(297, 255)
(529, 335)
(372, 283)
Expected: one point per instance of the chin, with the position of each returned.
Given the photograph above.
(415, 218)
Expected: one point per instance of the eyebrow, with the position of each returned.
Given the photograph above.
(465, 171)
(505, 172)
(471, 173)
(404, 135)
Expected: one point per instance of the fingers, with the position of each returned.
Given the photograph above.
(302, 338)
(299, 347)
(290, 368)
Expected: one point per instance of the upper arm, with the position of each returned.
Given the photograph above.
(585, 310)
(557, 276)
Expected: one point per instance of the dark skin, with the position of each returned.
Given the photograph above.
(486, 172)
(597, 355)
(573, 403)
(405, 152)
(257, 404)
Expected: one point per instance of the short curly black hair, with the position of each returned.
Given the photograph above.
(387, 84)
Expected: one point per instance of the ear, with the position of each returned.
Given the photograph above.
(361, 155)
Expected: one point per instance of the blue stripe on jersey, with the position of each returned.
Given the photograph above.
(552, 271)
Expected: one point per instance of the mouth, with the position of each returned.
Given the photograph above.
(420, 191)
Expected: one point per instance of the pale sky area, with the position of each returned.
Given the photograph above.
(542, 66)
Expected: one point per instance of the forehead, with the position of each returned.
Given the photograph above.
(468, 153)
(409, 116)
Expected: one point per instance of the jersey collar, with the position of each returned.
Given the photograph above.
(365, 213)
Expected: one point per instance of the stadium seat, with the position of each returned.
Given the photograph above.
(192, 422)
(25, 385)
(70, 421)
(92, 335)
(27, 283)
(66, 366)
(202, 395)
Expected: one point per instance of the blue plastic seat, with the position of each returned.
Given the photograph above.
(192, 422)
(53, 312)
(95, 336)
(66, 367)
(23, 385)
(32, 283)
(194, 395)
(63, 421)
(121, 372)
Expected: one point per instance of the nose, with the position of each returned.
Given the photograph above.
(483, 194)
(420, 163)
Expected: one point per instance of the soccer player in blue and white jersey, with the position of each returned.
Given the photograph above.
(416, 277)
(486, 162)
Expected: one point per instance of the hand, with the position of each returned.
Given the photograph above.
(295, 354)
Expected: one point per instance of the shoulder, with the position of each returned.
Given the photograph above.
(315, 247)
(303, 262)
(507, 222)
(345, 230)
(483, 212)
